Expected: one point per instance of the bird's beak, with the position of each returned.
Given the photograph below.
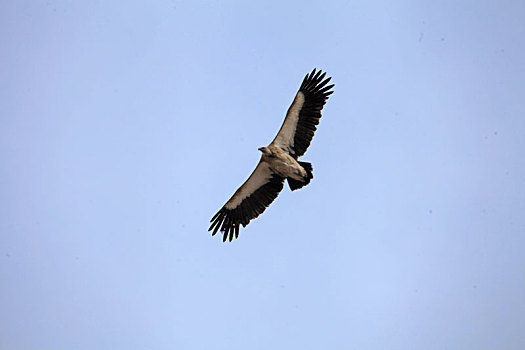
(261, 149)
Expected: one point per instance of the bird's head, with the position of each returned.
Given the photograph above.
(265, 151)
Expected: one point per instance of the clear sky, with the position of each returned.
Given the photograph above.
(124, 126)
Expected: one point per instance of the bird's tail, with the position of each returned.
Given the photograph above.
(296, 184)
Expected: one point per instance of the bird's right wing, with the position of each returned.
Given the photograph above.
(248, 202)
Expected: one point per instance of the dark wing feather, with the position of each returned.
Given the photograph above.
(303, 116)
(248, 202)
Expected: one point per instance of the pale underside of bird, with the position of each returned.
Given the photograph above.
(279, 160)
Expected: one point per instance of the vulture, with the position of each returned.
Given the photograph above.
(279, 160)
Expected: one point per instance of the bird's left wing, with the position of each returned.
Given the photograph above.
(248, 202)
(299, 126)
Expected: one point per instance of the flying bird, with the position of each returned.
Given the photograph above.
(279, 160)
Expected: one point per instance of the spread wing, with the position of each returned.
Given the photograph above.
(299, 126)
(248, 202)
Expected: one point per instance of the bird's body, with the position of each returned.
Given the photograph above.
(279, 160)
(282, 163)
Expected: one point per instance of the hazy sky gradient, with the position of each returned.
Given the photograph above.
(124, 126)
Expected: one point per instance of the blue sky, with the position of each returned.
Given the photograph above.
(124, 126)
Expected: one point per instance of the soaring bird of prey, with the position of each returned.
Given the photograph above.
(279, 160)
